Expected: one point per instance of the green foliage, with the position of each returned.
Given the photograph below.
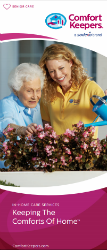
(75, 150)
(7, 184)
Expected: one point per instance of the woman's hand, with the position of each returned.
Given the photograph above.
(30, 129)
(21, 130)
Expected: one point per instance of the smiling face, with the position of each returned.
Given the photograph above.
(60, 71)
(30, 93)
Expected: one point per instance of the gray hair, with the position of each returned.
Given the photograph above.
(24, 72)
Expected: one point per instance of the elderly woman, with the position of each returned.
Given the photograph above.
(22, 106)
(67, 89)
(21, 109)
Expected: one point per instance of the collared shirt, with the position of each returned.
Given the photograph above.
(13, 111)
(72, 107)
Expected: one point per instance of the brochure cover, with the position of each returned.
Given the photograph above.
(63, 205)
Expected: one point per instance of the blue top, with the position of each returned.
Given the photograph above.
(13, 111)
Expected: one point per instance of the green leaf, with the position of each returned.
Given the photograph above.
(95, 158)
(105, 157)
(88, 166)
(81, 166)
(7, 163)
(83, 159)
(7, 184)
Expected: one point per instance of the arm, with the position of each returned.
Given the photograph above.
(9, 114)
(95, 89)
(21, 130)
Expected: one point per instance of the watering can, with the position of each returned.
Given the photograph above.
(100, 108)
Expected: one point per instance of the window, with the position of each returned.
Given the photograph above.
(32, 50)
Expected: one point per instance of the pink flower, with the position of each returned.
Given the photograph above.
(30, 137)
(93, 129)
(72, 133)
(93, 144)
(63, 160)
(47, 133)
(85, 146)
(85, 134)
(78, 158)
(53, 160)
(64, 163)
(41, 135)
(68, 151)
(97, 152)
(49, 149)
(53, 135)
(44, 164)
(69, 132)
(53, 166)
(99, 147)
(5, 146)
(33, 158)
(66, 139)
(47, 126)
(70, 159)
(79, 124)
(98, 140)
(39, 128)
(9, 129)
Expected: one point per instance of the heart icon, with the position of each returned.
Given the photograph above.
(6, 6)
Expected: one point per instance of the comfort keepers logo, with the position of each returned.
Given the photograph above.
(88, 21)
(85, 22)
(55, 21)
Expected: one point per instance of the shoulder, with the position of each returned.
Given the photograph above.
(93, 87)
(8, 99)
(89, 83)
(7, 104)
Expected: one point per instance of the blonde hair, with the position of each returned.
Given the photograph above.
(59, 51)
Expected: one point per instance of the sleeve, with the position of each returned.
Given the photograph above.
(95, 89)
(6, 114)
(44, 110)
